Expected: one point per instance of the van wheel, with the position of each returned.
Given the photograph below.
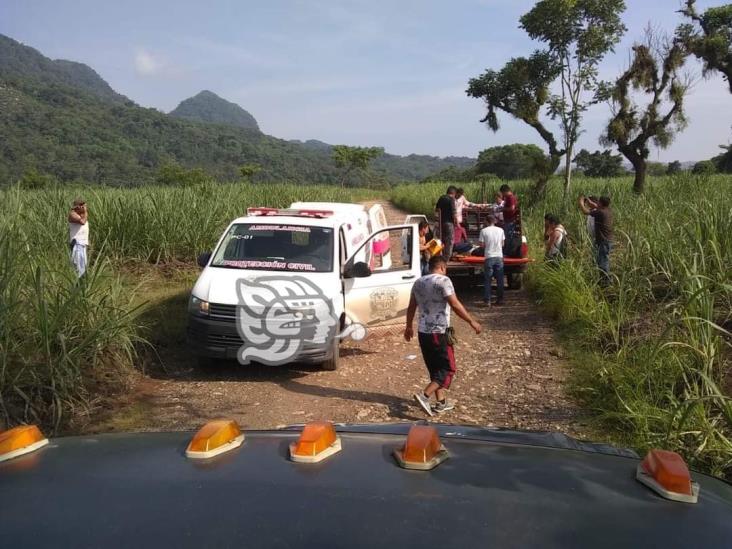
(515, 281)
(332, 363)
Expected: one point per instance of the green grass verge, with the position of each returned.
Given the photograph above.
(650, 355)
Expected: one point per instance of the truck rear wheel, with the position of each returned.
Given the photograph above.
(332, 363)
(515, 280)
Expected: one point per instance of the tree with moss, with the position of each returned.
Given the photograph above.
(521, 89)
(578, 34)
(654, 71)
(709, 37)
(351, 159)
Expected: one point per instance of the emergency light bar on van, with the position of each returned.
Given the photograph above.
(289, 212)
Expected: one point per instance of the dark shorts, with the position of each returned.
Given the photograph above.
(438, 357)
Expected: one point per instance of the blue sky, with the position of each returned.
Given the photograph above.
(378, 72)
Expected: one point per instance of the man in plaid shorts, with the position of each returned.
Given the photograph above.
(434, 295)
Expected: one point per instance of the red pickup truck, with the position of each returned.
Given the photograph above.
(515, 251)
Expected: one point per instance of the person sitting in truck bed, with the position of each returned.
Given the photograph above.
(498, 204)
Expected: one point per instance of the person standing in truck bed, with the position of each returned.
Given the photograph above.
(510, 211)
(446, 212)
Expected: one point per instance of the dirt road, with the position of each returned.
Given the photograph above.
(509, 376)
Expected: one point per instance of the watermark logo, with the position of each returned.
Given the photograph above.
(278, 317)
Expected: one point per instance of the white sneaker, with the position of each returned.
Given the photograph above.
(442, 407)
(424, 402)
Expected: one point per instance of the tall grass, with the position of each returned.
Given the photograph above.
(64, 342)
(651, 353)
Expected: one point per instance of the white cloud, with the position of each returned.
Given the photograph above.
(146, 64)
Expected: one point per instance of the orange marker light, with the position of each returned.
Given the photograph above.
(20, 440)
(317, 441)
(666, 474)
(422, 450)
(214, 438)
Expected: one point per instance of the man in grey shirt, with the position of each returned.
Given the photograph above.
(434, 295)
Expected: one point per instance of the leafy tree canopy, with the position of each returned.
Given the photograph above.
(247, 171)
(709, 37)
(600, 163)
(578, 34)
(173, 174)
(350, 159)
(673, 168)
(515, 161)
(656, 169)
(705, 167)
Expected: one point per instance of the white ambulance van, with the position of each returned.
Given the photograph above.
(303, 276)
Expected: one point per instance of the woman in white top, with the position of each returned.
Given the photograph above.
(460, 202)
(79, 235)
(556, 242)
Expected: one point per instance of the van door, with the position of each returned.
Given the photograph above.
(378, 294)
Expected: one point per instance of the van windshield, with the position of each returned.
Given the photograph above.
(276, 248)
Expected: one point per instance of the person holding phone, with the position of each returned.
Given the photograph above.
(79, 235)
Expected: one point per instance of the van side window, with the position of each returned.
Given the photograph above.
(387, 250)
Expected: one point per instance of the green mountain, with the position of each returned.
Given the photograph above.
(61, 118)
(209, 108)
(22, 62)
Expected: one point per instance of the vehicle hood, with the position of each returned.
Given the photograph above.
(140, 490)
(220, 285)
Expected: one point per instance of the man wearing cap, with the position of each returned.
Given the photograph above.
(79, 235)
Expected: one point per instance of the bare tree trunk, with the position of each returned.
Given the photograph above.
(640, 167)
(568, 171)
(639, 183)
(544, 175)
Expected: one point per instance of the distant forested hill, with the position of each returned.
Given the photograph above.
(208, 107)
(61, 118)
(21, 62)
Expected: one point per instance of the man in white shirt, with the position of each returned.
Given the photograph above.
(79, 235)
(491, 240)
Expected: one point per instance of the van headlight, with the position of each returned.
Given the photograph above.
(198, 306)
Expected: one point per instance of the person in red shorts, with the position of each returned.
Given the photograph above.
(434, 296)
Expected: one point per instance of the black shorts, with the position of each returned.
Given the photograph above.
(438, 357)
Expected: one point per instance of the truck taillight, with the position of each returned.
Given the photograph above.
(524, 249)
